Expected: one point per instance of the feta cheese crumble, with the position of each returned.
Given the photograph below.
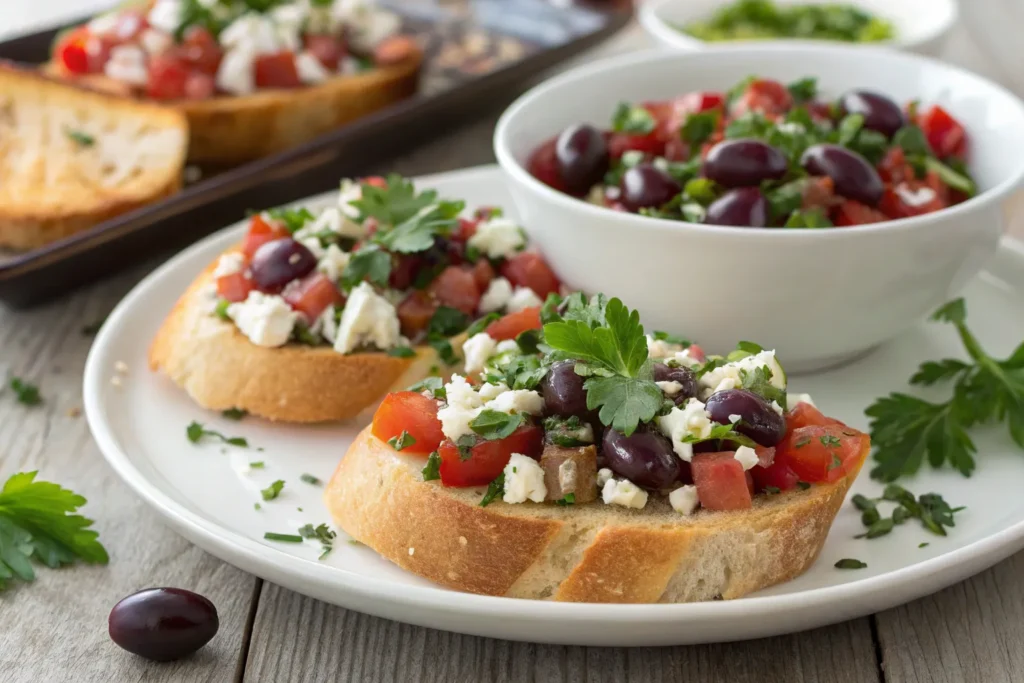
(127, 64)
(794, 399)
(266, 319)
(368, 320)
(684, 499)
(918, 197)
(524, 480)
(518, 401)
(623, 492)
(729, 376)
(746, 456)
(658, 348)
(522, 297)
(311, 71)
(603, 476)
(498, 238)
(690, 421)
(670, 388)
(332, 262)
(464, 403)
(229, 264)
(476, 350)
(497, 295)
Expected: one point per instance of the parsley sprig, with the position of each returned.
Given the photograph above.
(906, 429)
(38, 522)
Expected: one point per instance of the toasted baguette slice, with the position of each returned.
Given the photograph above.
(231, 130)
(220, 368)
(585, 553)
(71, 158)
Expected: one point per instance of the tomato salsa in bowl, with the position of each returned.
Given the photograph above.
(826, 294)
(765, 154)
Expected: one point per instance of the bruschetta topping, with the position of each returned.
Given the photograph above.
(604, 411)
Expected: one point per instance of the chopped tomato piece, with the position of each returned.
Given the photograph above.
(483, 273)
(313, 294)
(199, 50)
(261, 232)
(327, 49)
(543, 165)
(376, 181)
(276, 70)
(677, 150)
(855, 213)
(234, 287)
(720, 480)
(465, 229)
(765, 96)
(70, 51)
(777, 475)
(894, 167)
(697, 102)
(167, 78)
(487, 459)
(456, 287)
(529, 269)
(945, 134)
(514, 324)
(822, 453)
(415, 312)
(895, 205)
(620, 143)
(696, 352)
(806, 415)
(413, 413)
(765, 455)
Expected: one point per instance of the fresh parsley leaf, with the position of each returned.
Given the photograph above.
(447, 322)
(402, 441)
(417, 233)
(529, 341)
(80, 138)
(723, 433)
(432, 470)
(369, 263)
(849, 563)
(759, 381)
(435, 385)
(495, 489)
(787, 198)
(932, 372)
(284, 538)
(912, 139)
(804, 90)
(620, 345)
(521, 372)
(25, 393)
(567, 499)
(480, 324)
(624, 402)
(234, 413)
(494, 424)
(196, 433)
(272, 491)
(808, 218)
(393, 204)
(930, 509)
(701, 190)
(402, 352)
(293, 219)
(632, 119)
(464, 444)
(38, 522)
(923, 545)
(848, 128)
(444, 350)
(699, 127)
(312, 480)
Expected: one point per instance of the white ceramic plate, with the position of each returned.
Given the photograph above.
(207, 493)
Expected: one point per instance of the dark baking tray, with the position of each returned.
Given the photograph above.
(478, 54)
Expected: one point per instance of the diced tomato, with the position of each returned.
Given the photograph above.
(70, 51)
(327, 49)
(721, 482)
(819, 192)
(487, 458)
(778, 475)
(465, 229)
(819, 111)
(413, 413)
(855, 213)
(696, 352)
(822, 453)
(261, 232)
(276, 70)
(806, 415)
(514, 324)
(765, 455)
(696, 102)
(199, 50)
(376, 181)
(234, 287)
(945, 134)
(456, 287)
(620, 143)
(312, 294)
(168, 77)
(483, 273)
(415, 312)
(894, 167)
(894, 206)
(765, 96)
(200, 86)
(676, 149)
(543, 165)
(529, 269)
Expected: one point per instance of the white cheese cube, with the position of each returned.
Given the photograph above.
(690, 421)
(489, 392)
(236, 74)
(326, 325)
(522, 297)
(794, 399)
(746, 456)
(603, 475)
(506, 345)
(524, 480)
(518, 401)
(476, 350)
(332, 262)
(311, 71)
(670, 388)
(498, 238)
(684, 499)
(368, 320)
(623, 492)
(311, 243)
(266, 319)
(229, 264)
(497, 295)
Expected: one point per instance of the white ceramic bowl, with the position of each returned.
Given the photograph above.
(819, 296)
(922, 26)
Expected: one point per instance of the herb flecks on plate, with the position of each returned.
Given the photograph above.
(196, 433)
(934, 513)
(906, 430)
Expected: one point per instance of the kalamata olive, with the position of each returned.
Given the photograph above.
(880, 113)
(645, 185)
(163, 624)
(854, 177)
(685, 376)
(744, 207)
(744, 163)
(582, 156)
(563, 392)
(758, 419)
(645, 458)
(277, 263)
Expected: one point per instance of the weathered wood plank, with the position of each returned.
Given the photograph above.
(300, 639)
(55, 628)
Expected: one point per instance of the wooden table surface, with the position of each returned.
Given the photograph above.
(55, 629)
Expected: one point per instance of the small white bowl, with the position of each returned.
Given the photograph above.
(921, 26)
(820, 297)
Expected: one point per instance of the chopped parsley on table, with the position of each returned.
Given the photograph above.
(24, 392)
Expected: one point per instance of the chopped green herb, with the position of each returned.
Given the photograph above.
(319, 533)
(567, 499)
(930, 509)
(495, 489)
(803, 90)
(272, 491)
(803, 485)
(631, 119)
(848, 563)
(403, 440)
(494, 424)
(402, 352)
(435, 385)
(258, 465)
(284, 538)
(257, 507)
(293, 219)
(310, 479)
(464, 444)
(196, 433)
(923, 545)
(80, 138)
(432, 470)
(800, 443)
(772, 490)
(25, 393)
(760, 19)
(699, 127)
(370, 263)
(481, 324)
(234, 413)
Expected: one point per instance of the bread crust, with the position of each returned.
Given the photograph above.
(220, 368)
(234, 129)
(585, 553)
